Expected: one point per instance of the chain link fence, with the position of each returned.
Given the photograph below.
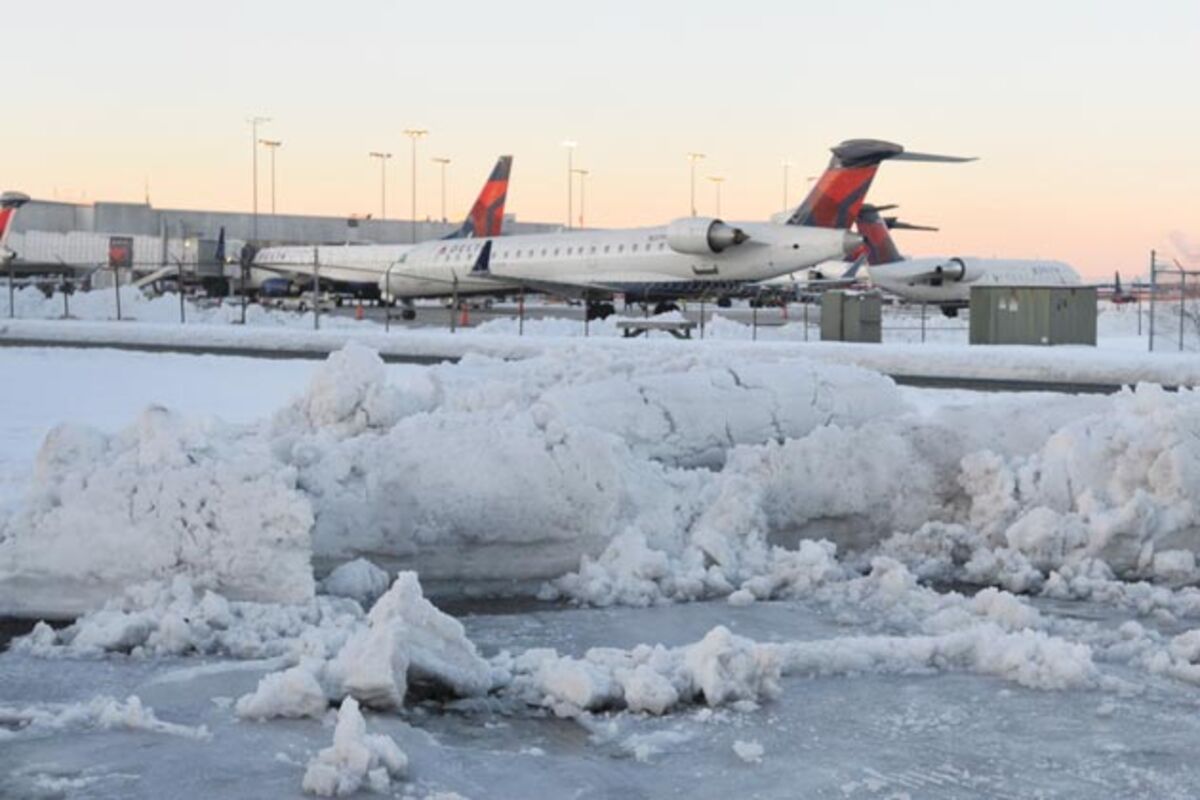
(1174, 307)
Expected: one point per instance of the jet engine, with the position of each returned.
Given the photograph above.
(703, 236)
(956, 270)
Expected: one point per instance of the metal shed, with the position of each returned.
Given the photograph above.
(1046, 315)
(851, 317)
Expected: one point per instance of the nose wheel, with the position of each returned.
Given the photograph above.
(600, 310)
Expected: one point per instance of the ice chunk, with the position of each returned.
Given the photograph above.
(749, 751)
(359, 580)
(292, 693)
(408, 638)
(356, 757)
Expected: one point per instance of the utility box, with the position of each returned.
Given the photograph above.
(1045, 315)
(851, 317)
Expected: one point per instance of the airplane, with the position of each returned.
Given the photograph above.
(689, 257)
(9, 203)
(946, 281)
(357, 268)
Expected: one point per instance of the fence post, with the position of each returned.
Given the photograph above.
(316, 288)
(805, 319)
(66, 302)
(754, 322)
(521, 313)
(179, 288)
(1153, 295)
(701, 317)
(1182, 309)
(117, 289)
(12, 288)
(922, 322)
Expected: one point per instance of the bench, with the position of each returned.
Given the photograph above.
(680, 329)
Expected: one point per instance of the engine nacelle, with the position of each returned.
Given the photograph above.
(955, 270)
(703, 236)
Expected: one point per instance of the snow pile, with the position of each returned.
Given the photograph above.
(100, 713)
(167, 496)
(1110, 495)
(355, 758)
(405, 640)
(174, 618)
(359, 580)
(719, 669)
(421, 472)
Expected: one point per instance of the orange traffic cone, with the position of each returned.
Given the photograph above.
(358, 312)
(465, 320)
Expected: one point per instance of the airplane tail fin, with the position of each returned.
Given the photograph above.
(9, 203)
(487, 215)
(219, 255)
(839, 193)
(1117, 282)
(876, 232)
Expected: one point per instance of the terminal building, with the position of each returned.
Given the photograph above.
(53, 236)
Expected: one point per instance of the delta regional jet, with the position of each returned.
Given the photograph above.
(946, 281)
(358, 268)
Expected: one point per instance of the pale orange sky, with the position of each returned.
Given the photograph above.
(1084, 114)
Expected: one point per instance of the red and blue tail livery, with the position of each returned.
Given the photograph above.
(9, 203)
(487, 215)
(877, 238)
(839, 194)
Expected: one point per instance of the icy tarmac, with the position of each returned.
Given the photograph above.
(926, 734)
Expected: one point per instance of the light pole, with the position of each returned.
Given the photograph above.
(717, 181)
(254, 123)
(570, 145)
(786, 165)
(414, 134)
(442, 162)
(582, 173)
(272, 145)
(383, 159)
(692, 159)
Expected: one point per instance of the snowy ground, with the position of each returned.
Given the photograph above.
(764, 578)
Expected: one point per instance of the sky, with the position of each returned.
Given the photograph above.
(1085, 115)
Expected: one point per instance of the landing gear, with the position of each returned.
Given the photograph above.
(665, 307)
(408, 313)
(950, 311)
(724, 302)
(600, 310)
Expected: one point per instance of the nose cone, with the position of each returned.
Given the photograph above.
(851, 242)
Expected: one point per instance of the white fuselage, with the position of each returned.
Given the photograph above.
(948, 281)
(347, 263)
(634, 261)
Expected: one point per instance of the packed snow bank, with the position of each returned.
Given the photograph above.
(356, 757)
(626, 478)
(359, 580)
(167, 496)
(1108, 495)
(100, 713)
(497, 471)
